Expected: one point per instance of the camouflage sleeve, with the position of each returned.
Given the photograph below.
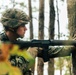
(19, 62)
(60, 51)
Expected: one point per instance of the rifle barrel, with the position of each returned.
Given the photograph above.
(45, 43)
(63, 42)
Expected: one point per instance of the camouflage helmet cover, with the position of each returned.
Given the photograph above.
(14, 18)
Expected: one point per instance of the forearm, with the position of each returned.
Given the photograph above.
(61, 51)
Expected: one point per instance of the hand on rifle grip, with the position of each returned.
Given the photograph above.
(33, 51)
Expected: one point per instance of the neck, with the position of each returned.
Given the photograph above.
(11, 35)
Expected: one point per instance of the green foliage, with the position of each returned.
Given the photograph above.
(69, 61)
(7, 69)
(64, 63)
(67, 72)
(59, 62)
(22, 4)
(16, 51)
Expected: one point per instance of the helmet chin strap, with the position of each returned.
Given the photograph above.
(15, 31)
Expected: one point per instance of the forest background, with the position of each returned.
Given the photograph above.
(61, 18)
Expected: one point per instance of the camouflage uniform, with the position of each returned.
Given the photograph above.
(13, 18)
(60, 51)
(17, 60)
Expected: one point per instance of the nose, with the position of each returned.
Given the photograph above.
(25, 28)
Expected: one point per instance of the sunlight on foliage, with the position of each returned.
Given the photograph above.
(16, 51)
(5, 66)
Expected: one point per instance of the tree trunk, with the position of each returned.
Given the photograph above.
(60, 66)
(41, 35)
(30, 15)
(72, 27)
(51, 35)
(70, 71)
(31, 28)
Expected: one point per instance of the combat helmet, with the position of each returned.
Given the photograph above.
(14, 17)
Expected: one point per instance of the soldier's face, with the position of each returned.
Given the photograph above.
(21, 30)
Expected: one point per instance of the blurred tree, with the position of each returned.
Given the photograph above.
(51, 34)
(72, 27)
(58, 22)
(40, 64)
(30, 15)
(68, 65)
(57, 64)
(31, 28)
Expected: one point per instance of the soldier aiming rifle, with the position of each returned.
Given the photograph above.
(14, 22)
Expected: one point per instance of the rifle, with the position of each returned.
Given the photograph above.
(45, 45)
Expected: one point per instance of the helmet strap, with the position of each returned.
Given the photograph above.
(14, 30)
